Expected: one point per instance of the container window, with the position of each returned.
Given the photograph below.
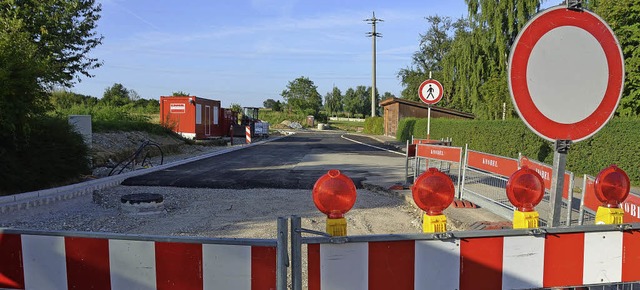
(198, 114)
(216, 113)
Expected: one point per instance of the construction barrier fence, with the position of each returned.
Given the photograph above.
(589, 204)
(76, 260)
(484, 181)
(446, 158)
(592, 256)
(503, 259)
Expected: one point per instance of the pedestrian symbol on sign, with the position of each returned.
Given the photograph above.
(430, 92)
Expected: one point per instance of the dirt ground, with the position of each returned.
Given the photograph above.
(213, 213)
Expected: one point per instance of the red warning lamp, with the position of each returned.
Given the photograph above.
(612, 188)
(334, 194)
(525, 189)
(433, 192)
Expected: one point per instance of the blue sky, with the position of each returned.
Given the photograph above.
(246, 51)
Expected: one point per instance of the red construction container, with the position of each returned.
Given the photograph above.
(193, 117)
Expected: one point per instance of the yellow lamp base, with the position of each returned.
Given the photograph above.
(434, 223)
(525, 219)
(337, 227)
(609, 216)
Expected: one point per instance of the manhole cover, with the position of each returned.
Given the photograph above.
(135, 198)
(142, 203)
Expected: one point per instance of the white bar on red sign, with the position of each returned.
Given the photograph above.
(437, 152)
(44, 262)
(435, 260)
(602, 257)
(226, 267)
(344, 266)
(523, 262)
(492, 163)
(132, 264)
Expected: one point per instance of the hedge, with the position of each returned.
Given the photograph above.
(374, 125)
(617, 143)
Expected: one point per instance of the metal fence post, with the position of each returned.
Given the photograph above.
(282, 254)
(296, 253)
(464, 171)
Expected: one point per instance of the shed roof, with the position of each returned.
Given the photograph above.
(390, 101)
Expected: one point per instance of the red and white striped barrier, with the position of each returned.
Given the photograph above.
(509, 262)
(56, 262)
(248, 133)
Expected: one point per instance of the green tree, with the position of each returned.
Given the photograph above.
(433, 47)
(63, 99)
(333, 101)
(236, 108)
(624, 18)
(269, 103)
(351, 102)
(387, 95)
(302, 95)
(475, 68)
(22, 96)
(63, 32)
(117, 95)
(179, 94)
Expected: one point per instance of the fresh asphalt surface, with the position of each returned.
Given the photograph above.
(293, 162)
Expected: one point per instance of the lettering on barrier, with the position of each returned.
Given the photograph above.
(544, 174)
(437, 152)
(490, 162)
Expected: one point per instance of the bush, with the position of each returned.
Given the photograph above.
(51, 154)
(617, 143)
(374, 125)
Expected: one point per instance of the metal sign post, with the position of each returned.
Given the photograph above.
(429, 123)
(557, 181)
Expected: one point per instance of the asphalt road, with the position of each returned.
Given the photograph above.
(293, 162)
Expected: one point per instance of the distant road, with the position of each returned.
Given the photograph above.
(294, 162)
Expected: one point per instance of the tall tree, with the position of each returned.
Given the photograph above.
(333, 101)
(624, 18)
(434, 46)
(351, 102)
(118, 95)
(63, 32)
(302, 95)
(43, 43)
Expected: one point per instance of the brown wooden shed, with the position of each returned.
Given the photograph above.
(396, 109)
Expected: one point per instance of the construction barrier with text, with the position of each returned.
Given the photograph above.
(481, 177)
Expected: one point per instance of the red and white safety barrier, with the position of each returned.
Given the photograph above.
(56, 262)
(510, 262)
(248, 133)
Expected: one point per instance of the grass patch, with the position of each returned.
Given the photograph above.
(349, 126)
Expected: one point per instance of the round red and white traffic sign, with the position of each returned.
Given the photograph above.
(566, 74)
(430, 91)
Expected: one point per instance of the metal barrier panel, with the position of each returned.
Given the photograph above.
(74, 260)
(446, 159)
(546, 171)
(589, 204)
(506, 259)
(484, 181)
